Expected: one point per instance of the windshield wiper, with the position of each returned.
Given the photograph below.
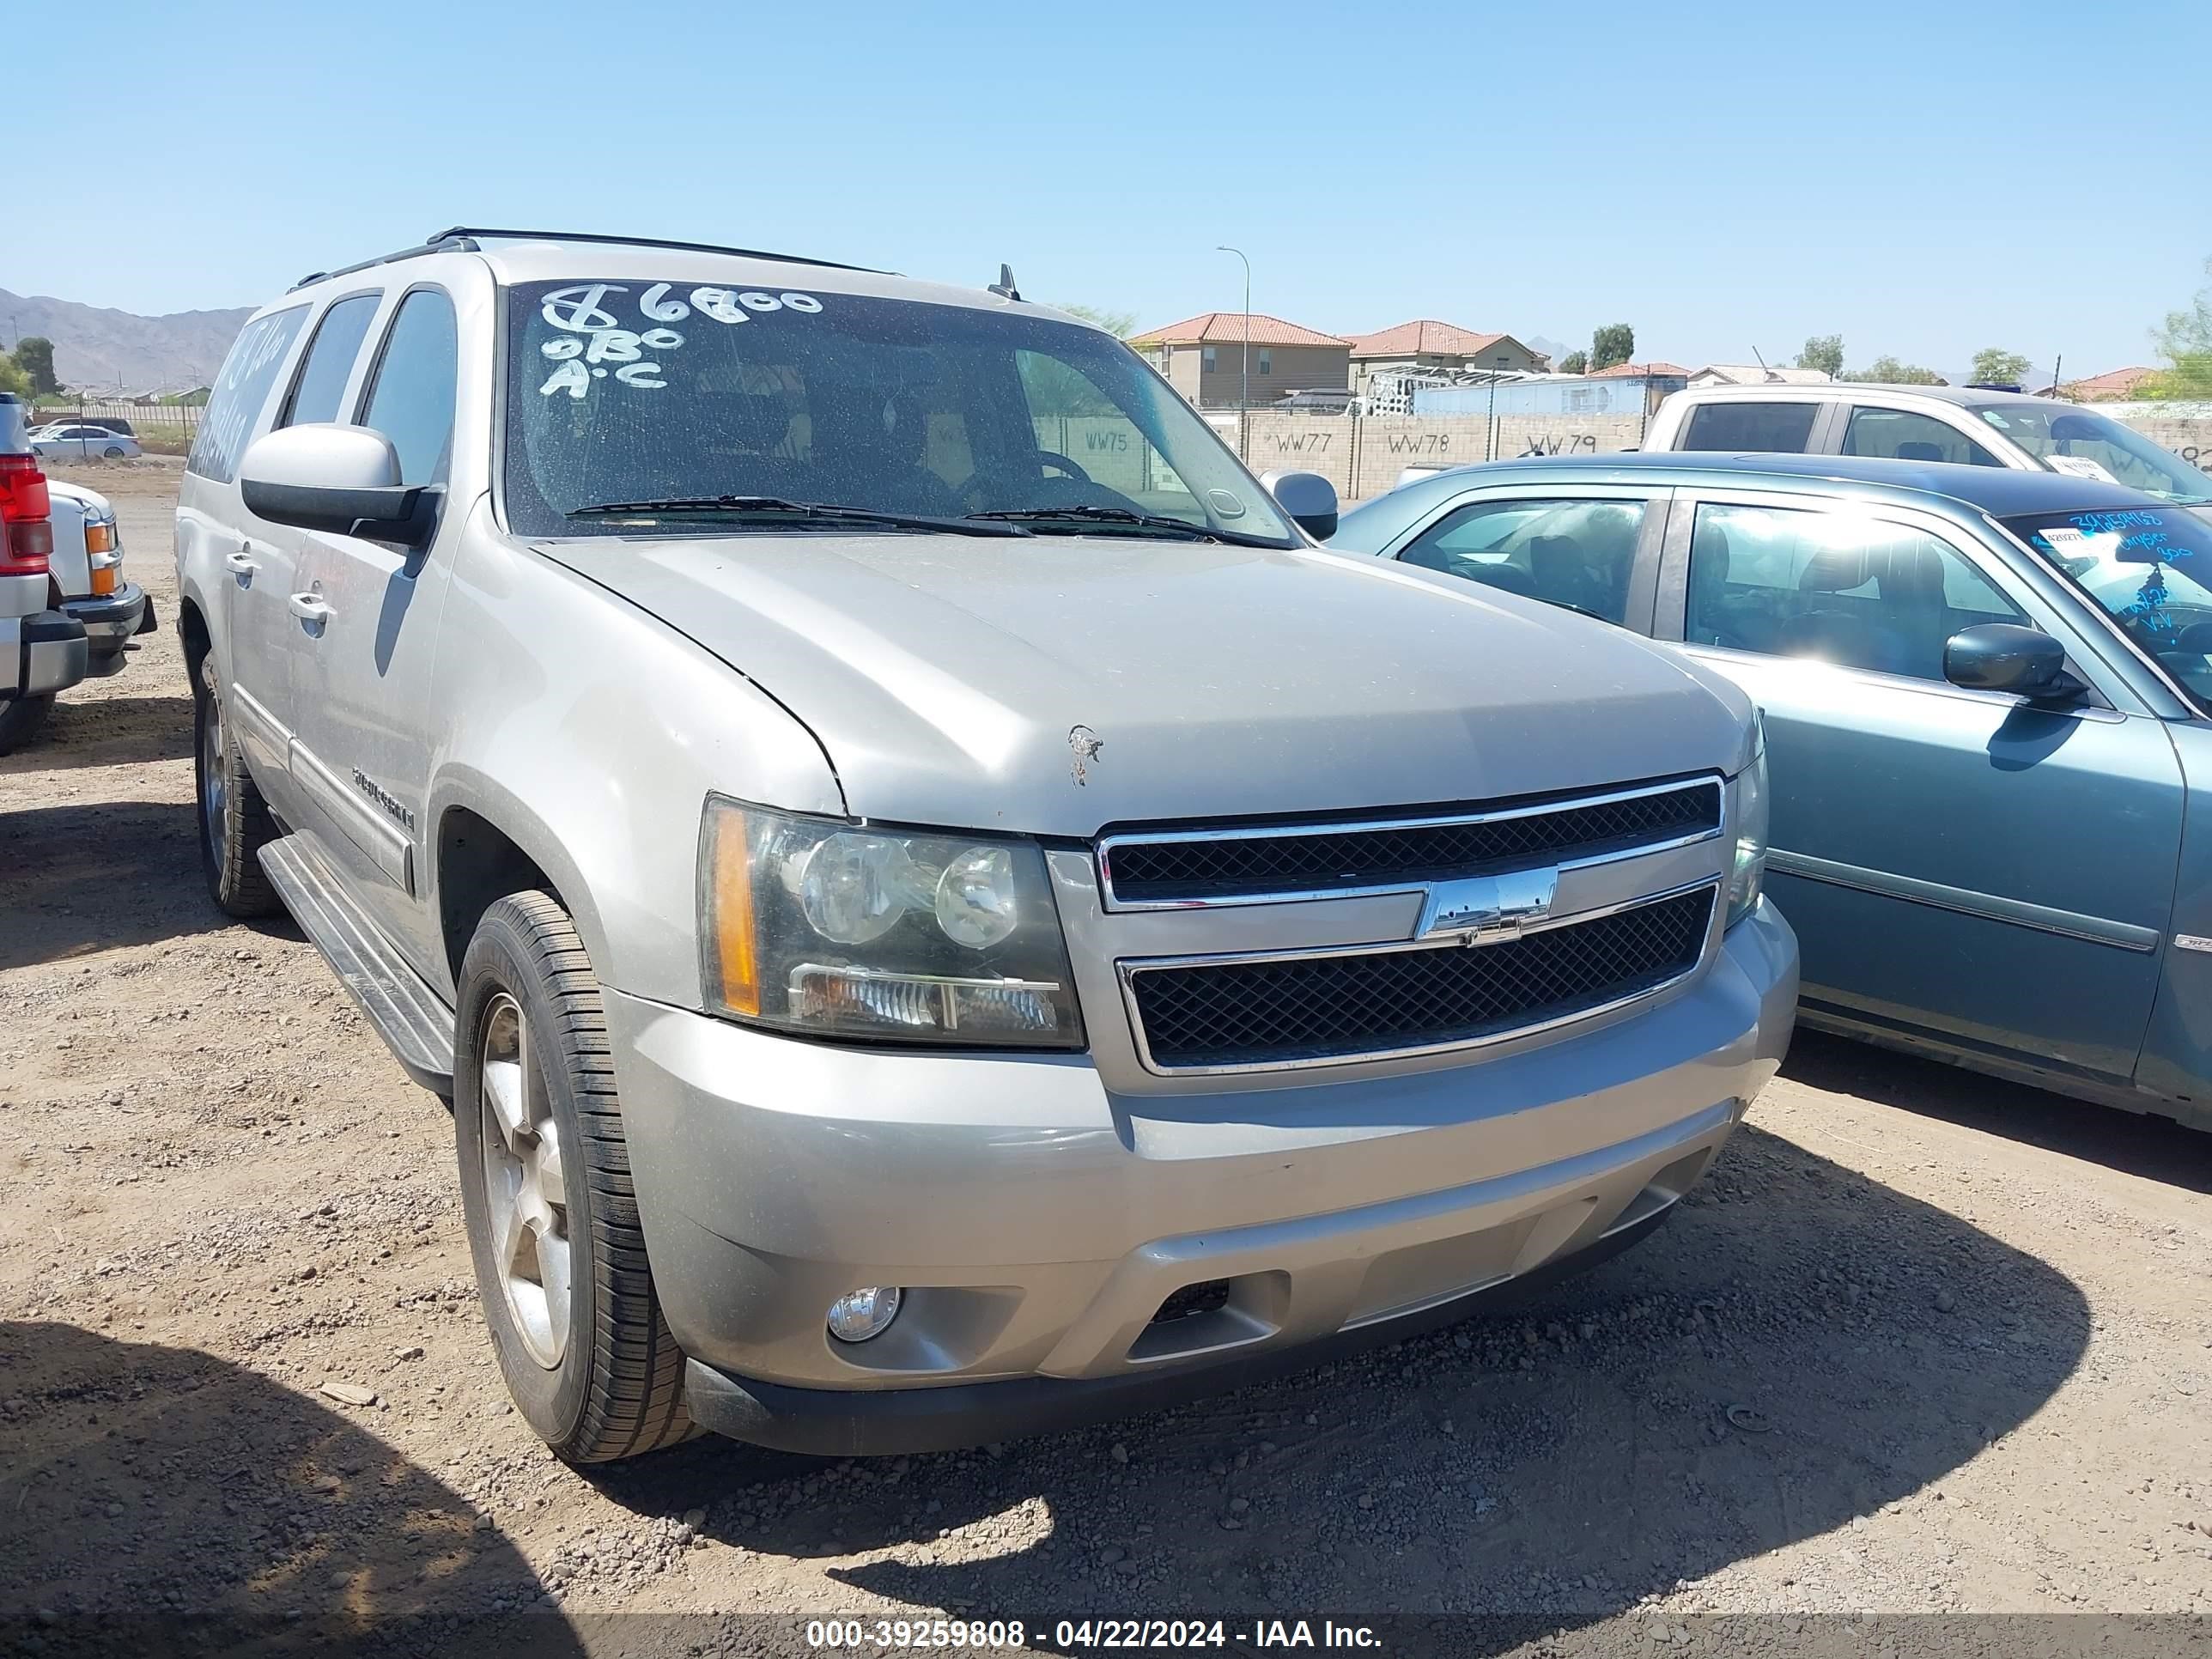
(1124, 516)
(775, 508)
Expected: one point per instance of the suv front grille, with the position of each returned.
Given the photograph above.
(1287, 1011)
(1227, 867)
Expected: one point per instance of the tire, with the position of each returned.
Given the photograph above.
(113, 452)
(20, 719)
(235, 823)
(567, 1289)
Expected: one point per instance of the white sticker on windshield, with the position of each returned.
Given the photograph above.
(2079, 466)
(592, 336)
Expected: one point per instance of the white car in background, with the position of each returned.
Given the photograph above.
(87, 570)
(72, 441)
(1964, 425)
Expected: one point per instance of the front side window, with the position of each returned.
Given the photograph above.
(644, 396)
(1578, 554)
(329, 362)
(1836, 587)
(1901, 434)
(2150, 568)
(2090, 446)
(1752, 428)
(411, 400)
(242, 389)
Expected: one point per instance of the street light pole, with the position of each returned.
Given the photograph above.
(1244, 396)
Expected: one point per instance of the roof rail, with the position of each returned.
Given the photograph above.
(449, 241)
(471, 235)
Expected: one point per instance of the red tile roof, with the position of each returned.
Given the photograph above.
(1622, 371)
(1426, 337)
(1216, 327)
(2114, 383)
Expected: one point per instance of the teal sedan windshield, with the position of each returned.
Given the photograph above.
(2089, 445)
(2150, 568)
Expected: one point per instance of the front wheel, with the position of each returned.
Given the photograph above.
(545, 1187)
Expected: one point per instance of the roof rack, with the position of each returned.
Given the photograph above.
(468, 239)
(445, 241)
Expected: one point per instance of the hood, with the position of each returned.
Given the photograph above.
(90, 503)
(1059, 685)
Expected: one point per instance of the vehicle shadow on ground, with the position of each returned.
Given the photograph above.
(74, 879)
(2154, 1148)
(84, 731)
(158, 1499)
(1798, 1347)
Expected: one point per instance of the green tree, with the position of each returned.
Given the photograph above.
(1888, 371)
(34, 355)
(12, 378)
(1575, 363)
(1615, 343)
(1823, 352)
(1995, 367)
(2185, 340)
(1119, 323)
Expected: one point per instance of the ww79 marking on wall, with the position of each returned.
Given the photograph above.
(1559, 443)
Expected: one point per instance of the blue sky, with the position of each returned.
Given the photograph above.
(1925, 180)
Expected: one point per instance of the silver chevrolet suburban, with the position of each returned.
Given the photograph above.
(939, 910)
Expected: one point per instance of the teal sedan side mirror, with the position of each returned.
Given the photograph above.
(2006, 657)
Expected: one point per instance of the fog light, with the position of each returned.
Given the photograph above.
(858, 1315)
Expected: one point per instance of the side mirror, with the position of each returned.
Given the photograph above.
(1308, 498)
(2005, 656)
(343, 479)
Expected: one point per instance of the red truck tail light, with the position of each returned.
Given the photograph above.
(26, 511)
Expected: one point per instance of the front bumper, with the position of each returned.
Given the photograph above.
(40, 655)
(110, 621)
(1039, 1221)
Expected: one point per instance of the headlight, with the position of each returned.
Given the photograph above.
(815, 926)
(1748, 813)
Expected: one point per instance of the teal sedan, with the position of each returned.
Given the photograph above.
(1988, 700)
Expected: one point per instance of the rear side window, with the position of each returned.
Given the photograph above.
(1752, 428)
(241, 391)
(1899, 435)
(329, 361)
(412, 401)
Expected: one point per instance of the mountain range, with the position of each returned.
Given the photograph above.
(99, 349)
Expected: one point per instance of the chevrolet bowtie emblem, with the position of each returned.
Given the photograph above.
(1484, 907)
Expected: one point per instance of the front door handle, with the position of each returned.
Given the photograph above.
(310, 608)
(238, 564)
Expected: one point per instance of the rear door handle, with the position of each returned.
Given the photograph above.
(238, 564)
(309, 607)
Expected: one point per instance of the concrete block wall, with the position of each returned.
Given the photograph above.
(1364, 457)
(2185, 429)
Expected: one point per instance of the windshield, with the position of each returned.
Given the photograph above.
(2150, 568)
(2069, 440)
(622, 392)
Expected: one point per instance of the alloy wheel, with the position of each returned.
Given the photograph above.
(525, 1195)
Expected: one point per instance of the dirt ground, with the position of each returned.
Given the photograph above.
(1925, 1344)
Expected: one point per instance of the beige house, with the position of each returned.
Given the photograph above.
(1426, 344)
(1206, 358)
